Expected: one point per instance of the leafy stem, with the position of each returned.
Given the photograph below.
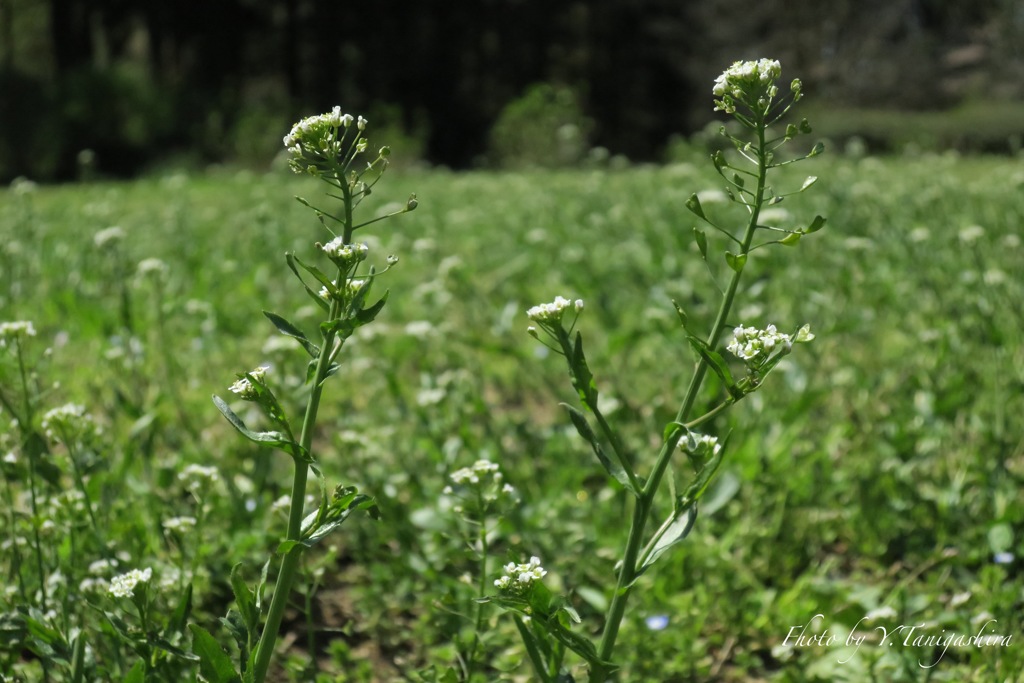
(644, 502)
(292, 557)
(290, 563)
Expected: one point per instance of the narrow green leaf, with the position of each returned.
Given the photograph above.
(702, 242)
(681, 313)
(286, 547)
(137, 674)
(612, 467)
(817, 224)
(725, 488)
(235, 624)
(671, 429)
(583, 379)
(736, 262)
(290, 260)
(713, 359)
(214, 663)
(367, 315)
(318, 274)
(267, 438)
(169, 647)
(244, 599)
(290, 330)
(693, 204)
(676, 532)
(718, 158)
(78, 659)
(261, 585)
(700, 483)
(179, 619)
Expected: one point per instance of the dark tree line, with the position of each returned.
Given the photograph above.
(131, 79)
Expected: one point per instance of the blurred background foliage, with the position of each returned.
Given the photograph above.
(115, 87)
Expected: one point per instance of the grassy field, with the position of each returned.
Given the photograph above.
(877, 474)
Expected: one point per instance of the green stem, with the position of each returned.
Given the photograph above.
(481, 592)
(532, 652)
(13, 537)
(697, 422)
(290, 563)
(80, 482)
(644, 503)
(26, 431)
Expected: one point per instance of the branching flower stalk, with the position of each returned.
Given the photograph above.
(327, 147)
(482, 496)
(13, 336)
(748, 92)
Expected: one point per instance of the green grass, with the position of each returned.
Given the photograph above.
(882, 466)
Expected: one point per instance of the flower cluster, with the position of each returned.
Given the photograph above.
(123, 585)
(519, 577)
(108, 236)
(198, 478)
(752, 344)
(553, 312)
(244, 388)
(16, 330)
(152, 267)
(481, 487)
(751, 84)
(345, 293)
(68, 422)
(701, 445)
(317, 141)
(179, 525)
(344, 255)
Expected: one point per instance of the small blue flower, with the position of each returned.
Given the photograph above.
(1003, 558)
(657, 623)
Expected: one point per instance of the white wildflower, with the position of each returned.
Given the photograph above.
(68, 421)
(152, 266)
(123, 585)
(345, 255)
(198, 478)
(179, 525)
(18, 329)
(884, 612)
(519, 577)
(107, 236)
(750, 343)
(552, 312)
(244, 388)
(971, 233)
(748, 83)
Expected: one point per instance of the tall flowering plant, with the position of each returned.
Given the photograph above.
(750, 94)
(330, 147)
